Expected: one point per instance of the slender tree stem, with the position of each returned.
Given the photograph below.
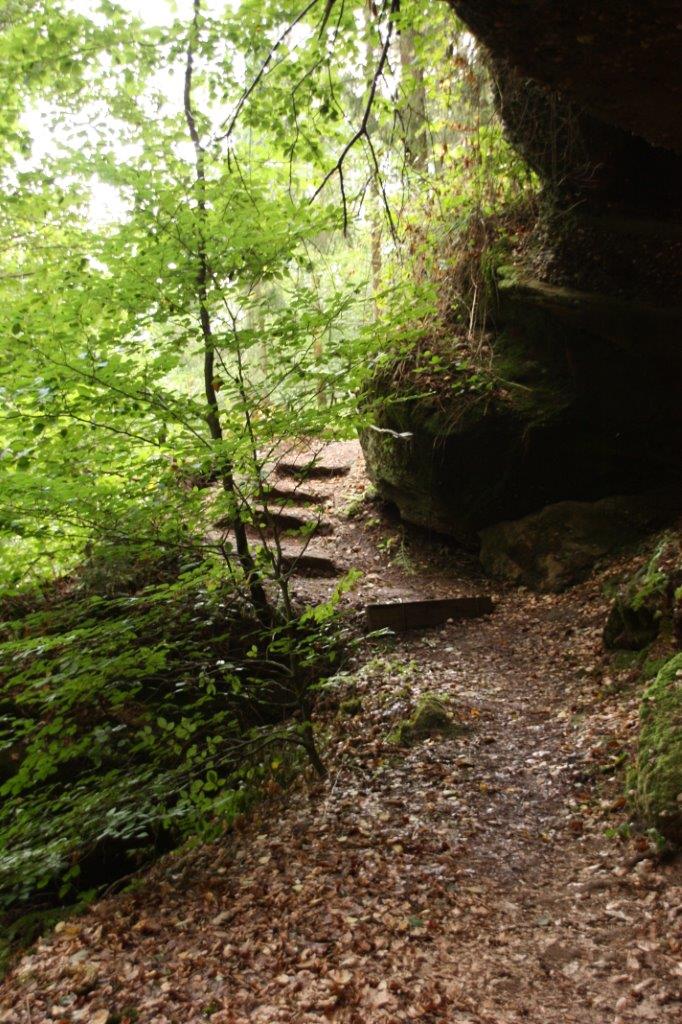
(246, 560)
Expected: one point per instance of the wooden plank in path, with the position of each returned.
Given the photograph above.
(401, 615)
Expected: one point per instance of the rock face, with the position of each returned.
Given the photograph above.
(618, 61)
(460, 471)
(558, 546)
(586, 352)
(590, 95)
(657, 776)
(586, 408)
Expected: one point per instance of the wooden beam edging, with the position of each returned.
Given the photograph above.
(402, 615)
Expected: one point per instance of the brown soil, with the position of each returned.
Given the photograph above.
(458, 880)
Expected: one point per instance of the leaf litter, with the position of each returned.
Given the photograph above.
(461, 880)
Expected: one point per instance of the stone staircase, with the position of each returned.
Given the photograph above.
(299, 486)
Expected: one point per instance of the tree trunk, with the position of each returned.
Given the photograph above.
(414, 112)
(254, 583)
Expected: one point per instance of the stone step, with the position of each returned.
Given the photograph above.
(297, 559)
(314, 460)
(288, 521)
(401, 615)
(309, 565)
(274, 519)
(293, 496)
(309, 470)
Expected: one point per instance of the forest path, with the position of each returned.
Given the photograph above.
(457, 880)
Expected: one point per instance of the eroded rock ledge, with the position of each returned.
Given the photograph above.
(588, 406)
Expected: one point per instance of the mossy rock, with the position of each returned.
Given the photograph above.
(652, 666)
(429, 719)
(553, 416)
(558, 546)
(657, 778)
(647, 601)
(455, 465)
(623, 661)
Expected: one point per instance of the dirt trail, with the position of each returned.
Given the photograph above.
(458, 880)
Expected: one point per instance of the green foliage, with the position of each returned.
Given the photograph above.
(351, 707)
(212, 291)
(644, 606)
(622, 831)
(130, 721)
(462, 226)
(107, 327)
(656, 779)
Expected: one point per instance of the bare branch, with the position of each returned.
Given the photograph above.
(325, 17)
(361, 131)
(262, 71)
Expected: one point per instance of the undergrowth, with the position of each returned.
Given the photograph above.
(447, 356)
(475, 218)
(131, 722)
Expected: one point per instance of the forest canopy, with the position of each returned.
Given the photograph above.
(178, 190)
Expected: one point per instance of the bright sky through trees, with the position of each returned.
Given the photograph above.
(152, 12)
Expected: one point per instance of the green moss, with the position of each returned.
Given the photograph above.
(430, 718)
(652, 586)
(657, 777)
(623, 660)
(352, 706)
(652, 666)
(642, 608)
(610, 588)
(359, 504)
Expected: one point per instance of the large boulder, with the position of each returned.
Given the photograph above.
(649, 603)
(558, 546)
(586, 357)
(657, 777)
(473, 464)
(577, 407)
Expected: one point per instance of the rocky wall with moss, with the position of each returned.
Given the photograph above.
(582, 394)
(656, 779)
(576, 407)
(649, 605)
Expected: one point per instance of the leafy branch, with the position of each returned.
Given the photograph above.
(362, 131)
